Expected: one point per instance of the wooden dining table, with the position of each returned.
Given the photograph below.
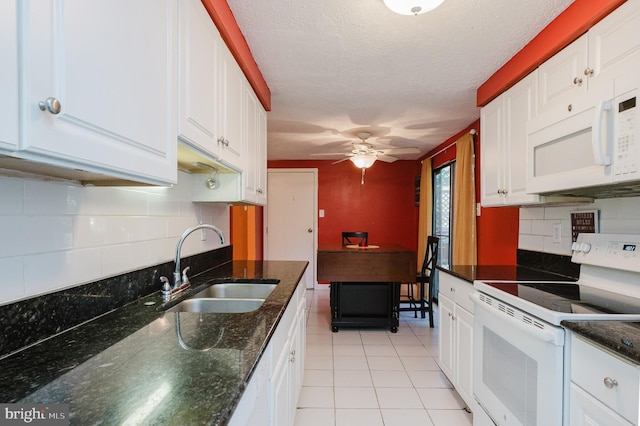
(365, 282)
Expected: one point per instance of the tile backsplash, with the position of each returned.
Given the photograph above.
(617, 216)
(55, 235)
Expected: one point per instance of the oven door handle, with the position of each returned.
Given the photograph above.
(549, 334)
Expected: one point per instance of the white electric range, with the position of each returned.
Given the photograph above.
(519, 358)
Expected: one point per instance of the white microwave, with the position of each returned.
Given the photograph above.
(594, 152)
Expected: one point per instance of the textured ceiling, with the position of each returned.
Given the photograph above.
(338, 67)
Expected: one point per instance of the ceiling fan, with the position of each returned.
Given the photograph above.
(363, 154)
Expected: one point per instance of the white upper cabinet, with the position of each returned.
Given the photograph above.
(199, 91)
(98, 88)
(562, 82)
(256, 148)
(9, 75)
(231, 109)
(504, 142)
(583, 73)
(211, 89)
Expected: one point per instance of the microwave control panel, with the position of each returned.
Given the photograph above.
(626, 150)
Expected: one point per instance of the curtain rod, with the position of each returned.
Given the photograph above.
(473, 133)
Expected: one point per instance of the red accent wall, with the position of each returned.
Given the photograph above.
(384, 206)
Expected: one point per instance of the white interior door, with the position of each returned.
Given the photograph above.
(291, 218)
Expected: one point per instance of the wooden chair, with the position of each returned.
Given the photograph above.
(355, 238)
(422, 302)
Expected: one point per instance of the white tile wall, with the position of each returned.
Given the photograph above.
(617, 216)
(55, 235)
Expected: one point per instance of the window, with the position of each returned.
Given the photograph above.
(443, 210)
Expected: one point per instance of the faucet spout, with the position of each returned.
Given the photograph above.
(178, 280)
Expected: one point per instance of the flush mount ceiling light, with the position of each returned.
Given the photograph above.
(363, 161)
(412, 7)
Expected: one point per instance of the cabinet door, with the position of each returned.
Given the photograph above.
(520, 106)
(199, 49)
(280, 389)
(261, 166)
(251, 135)
(463, 322)
(111, 65)
(491, 155)
(614, 48)
(446, 338)
(585, 410)
(231, 110)
(9, 75)
(562, 83)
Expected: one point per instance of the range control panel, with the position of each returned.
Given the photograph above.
(618, 251)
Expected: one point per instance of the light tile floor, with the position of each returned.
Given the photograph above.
(372, 377)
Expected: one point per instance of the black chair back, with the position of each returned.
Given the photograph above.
(357, 238)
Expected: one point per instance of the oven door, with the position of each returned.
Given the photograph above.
(517, 365)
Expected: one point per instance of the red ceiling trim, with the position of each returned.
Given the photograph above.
(224, 20)
(568, 26)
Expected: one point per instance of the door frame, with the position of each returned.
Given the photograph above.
(314, 172)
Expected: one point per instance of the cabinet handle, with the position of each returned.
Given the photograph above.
(569, 107)
(577, 81)
(222, 141)
(292, 357)
(50, 104)
(610, 383)
(259, 190)
(588, 71)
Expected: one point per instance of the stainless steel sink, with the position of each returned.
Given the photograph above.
(237, 291)
(220, 306)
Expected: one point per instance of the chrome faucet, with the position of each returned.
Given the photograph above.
(180, 280)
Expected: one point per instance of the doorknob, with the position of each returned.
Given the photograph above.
(309, 230)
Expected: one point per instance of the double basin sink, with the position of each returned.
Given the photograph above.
(227, 296)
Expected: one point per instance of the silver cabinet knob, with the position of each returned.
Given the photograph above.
(610, 383)
(577, 81)
(309, 230)
(50, 104)
(588, 71)
(569, 107)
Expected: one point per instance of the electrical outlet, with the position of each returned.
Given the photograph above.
(557, 233)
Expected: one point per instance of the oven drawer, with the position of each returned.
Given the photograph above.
(595, 370)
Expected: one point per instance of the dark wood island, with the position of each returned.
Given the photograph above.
(365, 283)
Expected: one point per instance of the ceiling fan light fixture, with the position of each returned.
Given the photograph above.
(363, 161)
(412, 7)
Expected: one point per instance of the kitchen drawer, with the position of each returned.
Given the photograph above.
(591, 366)
(456, 289)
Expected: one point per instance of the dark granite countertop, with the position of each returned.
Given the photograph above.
(471, 273)
(621, 337)
(194, 367)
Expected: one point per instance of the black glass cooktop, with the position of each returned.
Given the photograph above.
(570, 297)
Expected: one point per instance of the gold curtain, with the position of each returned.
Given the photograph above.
(464, 204)
(426, 209)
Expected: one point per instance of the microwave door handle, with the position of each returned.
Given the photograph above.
(596, 134)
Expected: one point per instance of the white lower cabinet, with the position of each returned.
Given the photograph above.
(272, 393)
(604, 387)
(455, 310)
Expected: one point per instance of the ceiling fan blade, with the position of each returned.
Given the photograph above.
(340, 161)
(330, 153)
(408, 150)
(386, 158)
